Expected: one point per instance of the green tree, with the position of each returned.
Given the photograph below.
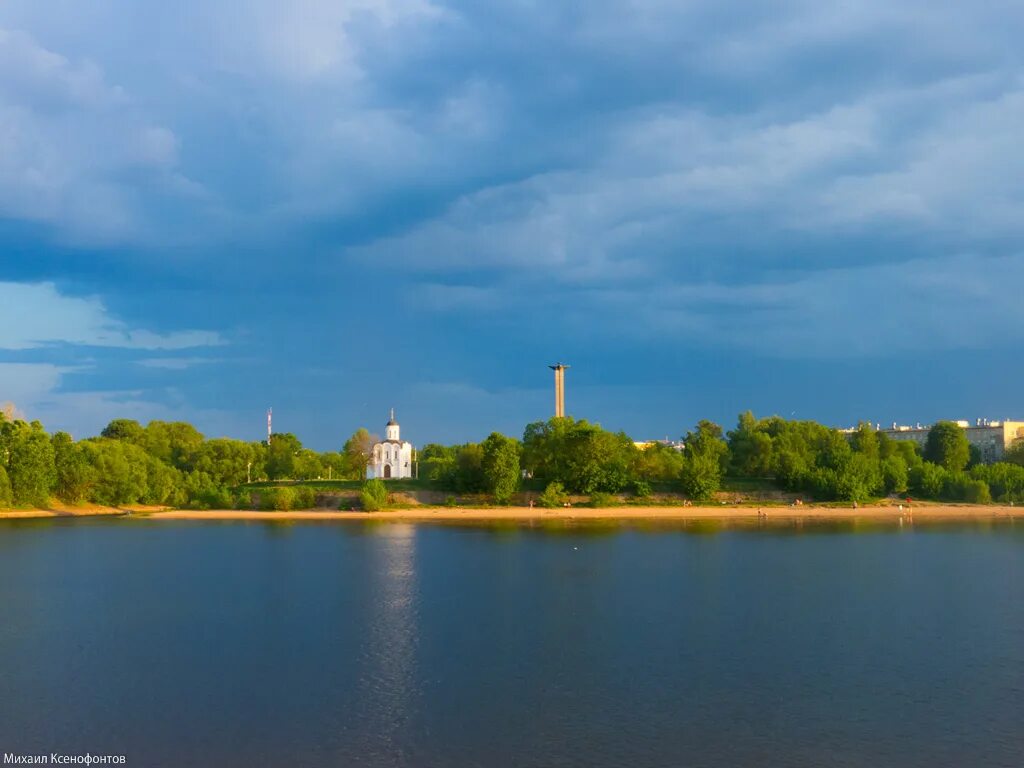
(657, 462)
(335, 466)
(469, 468)
(437, 464)
(74, 476)
(307, 465)
(864, 440)
(1005, 481)
(500, 466)
(750, 448)
(173, 442)
(358, 451)
(700, 477)
(909, 452)
(581, 456)
(29, 460)
(229, 462)
(281, 453)
(128, 430)
(599, 460)
(858, 479)
(895, 474)
(928, 480)
(119, 469)
(202, 491)
(705, 459)
(5, 489)
(1015, 453)
(947, 446)
(164, 483)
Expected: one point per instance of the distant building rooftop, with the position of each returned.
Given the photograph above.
(990, 437)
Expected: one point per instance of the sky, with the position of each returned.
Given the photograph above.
(333, 208)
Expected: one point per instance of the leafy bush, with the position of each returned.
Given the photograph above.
(894, 474)
(960, 487)
(553, 496)
(305, 498)
(977, 492)
(600, 500)
(284, 499)
(700, 476)
(374, 495)
(280, 499)
(221, 498)
(641, 489)
(451, 501)
(500, 466)
(1005, 481)
(928, 480)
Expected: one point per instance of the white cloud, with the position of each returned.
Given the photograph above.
(305, 39)
(883, 310)
(74, 153)
(39, 78)
(662, 171)
(22, 383)
(961, 173)
(37, 391)
(37, 314)
(729, 134)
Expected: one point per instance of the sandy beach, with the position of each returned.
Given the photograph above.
(919, 511)
(84, 510)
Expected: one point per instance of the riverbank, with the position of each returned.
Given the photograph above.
(83, 510)
(456, 514)
(919, 511)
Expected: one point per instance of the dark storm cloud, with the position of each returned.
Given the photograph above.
(335, 189)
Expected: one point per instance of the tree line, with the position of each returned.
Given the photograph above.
(162, 463)
(568, 456)
(173, 464)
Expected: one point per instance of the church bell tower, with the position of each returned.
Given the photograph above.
(391, 430)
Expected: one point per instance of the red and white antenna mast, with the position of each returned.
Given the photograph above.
(270, 420)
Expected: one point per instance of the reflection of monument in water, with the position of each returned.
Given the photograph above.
(391, 637)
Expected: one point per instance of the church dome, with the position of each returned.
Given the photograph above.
(391, 421)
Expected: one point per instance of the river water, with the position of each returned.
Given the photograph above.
(260, 644)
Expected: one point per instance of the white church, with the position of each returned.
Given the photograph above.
(392, 457)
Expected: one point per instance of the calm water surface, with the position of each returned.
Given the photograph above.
(252, 644)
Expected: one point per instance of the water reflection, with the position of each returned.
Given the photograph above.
(781, 525)
(704, 642)
(388, 681)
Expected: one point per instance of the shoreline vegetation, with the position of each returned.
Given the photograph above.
(918, 511)
(562, 467)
